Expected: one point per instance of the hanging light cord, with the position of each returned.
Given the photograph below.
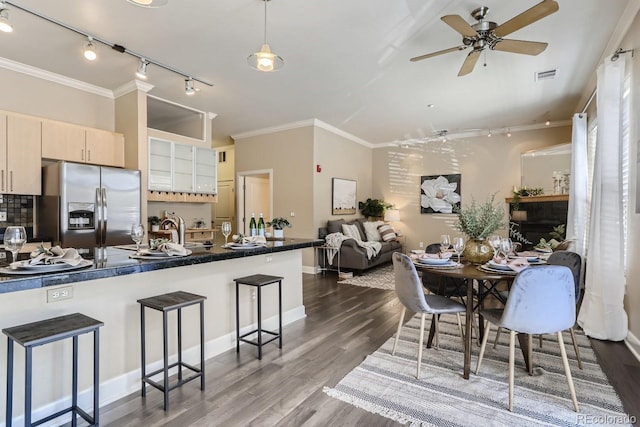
(112, 45)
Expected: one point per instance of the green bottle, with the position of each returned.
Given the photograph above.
(261, 225)
(253, 230)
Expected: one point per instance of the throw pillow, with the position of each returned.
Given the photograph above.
(358, 222)
(371, 230)
(335, 226)
(351, 231)
(387, 233)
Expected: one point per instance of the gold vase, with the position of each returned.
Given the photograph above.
(477, 251)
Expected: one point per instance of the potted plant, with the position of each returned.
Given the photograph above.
(155, 223)
(278, 224)
(478, 221)
(373, 208)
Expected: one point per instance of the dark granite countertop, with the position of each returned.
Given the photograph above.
(112, 261)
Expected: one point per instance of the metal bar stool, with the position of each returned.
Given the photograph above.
(258, 281)
(43, 332)
(165, 303)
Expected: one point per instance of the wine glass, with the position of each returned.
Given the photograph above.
(507, 246)
(137, 234)
(14, 239)
(458, 246)
(445, 242)
(494, 241)
(226, 231)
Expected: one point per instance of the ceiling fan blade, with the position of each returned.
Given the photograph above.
(440, 52)
(520, 46)
(537, 12)
(460, 25)
(470, 62)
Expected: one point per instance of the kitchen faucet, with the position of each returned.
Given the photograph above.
(177, 222)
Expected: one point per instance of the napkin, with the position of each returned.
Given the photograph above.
(172, 249)
(439, 255)
(517, 264)
(260, 240)
(55, 255)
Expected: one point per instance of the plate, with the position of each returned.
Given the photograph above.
(45, 268)
(434, 261)
(489, 269)
(242, 246)
(528, 258)
(157, 255)
(417, 251)
(152, 252)
(498, 266)
(449, 264)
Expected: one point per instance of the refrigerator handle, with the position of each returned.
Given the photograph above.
(98, 217)
(104, 216)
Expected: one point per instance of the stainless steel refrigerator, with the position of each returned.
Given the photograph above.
(85, 206)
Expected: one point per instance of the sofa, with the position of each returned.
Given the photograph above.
(354, 257)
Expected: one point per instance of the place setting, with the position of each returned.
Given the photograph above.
(506, 261)
(158, 248)
(42, 260)
(239, 241)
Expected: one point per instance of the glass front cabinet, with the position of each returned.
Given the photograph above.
(181, 167)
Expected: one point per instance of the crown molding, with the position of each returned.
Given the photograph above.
(132, 86)
(54, 77)
(300, 124)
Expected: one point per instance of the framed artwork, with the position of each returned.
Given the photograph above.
(344, 197)
(440, 193)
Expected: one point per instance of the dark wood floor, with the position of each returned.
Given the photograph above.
(344, 324)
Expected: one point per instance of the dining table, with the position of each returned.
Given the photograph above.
(485, 282)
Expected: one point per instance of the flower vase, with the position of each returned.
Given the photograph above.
(477, 251)
(278, 234)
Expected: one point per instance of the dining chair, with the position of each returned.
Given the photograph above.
(541, 301)
(411, 295)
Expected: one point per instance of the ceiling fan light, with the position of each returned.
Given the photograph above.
(149, 3)
(141, 72)
(5, 24)
(89, 51)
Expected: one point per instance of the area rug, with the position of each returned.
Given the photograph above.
(386, 385)
(380, 278)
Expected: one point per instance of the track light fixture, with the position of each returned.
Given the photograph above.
(547, 123)
(149, 3)
(265, 60)
(89, 51)
(5, 24)
(141, 72)
(189, 87)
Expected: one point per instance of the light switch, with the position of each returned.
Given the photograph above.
(3, 216)
(292, 214)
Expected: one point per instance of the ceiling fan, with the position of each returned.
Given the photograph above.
(486, 34)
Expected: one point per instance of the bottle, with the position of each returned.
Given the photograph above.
(253, 231)
(261, 225)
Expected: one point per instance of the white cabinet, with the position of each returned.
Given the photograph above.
(181, 168)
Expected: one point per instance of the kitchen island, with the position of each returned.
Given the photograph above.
(108, 290)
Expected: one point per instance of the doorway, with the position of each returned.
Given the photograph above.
(255, 196)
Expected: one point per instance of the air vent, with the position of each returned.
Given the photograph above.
(546, 75)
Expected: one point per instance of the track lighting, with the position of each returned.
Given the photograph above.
(141, 72)
(149, 3)
(189, 88)
(489, 134)
(265, 60)
(89, 51)
(547, 123)
(5, 25)
(508, 134)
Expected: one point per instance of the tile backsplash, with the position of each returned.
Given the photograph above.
(19, 211)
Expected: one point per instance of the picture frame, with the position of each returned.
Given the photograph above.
(440, 193)
(343, 197)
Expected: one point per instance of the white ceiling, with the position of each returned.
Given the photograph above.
(346, 61)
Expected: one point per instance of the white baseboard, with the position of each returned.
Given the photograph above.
(309, 269)
(129, 382)
(633, 343)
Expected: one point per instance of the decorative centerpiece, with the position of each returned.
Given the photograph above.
(479, 221)
(278, 225)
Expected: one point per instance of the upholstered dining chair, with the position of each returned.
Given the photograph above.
(411, 295)
(541, 301)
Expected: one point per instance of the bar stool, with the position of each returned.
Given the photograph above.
(258, 281)
(165, 303)
(47, 331)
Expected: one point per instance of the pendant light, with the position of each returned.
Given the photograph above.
(149, 3)
(265, 60)
(5, 24)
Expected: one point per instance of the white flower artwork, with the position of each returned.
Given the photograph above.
(439, 193)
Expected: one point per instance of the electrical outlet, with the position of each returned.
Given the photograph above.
(292, 214)
(421, 244)
(3, 215)
(268, 259)
(59, 294)
(253, 295)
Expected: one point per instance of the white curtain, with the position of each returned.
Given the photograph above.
(578, 198)
(602, 313)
